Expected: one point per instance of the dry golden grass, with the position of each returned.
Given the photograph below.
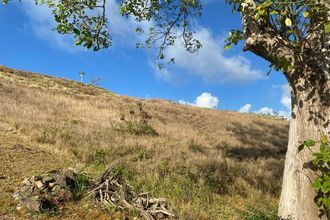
(210, 164)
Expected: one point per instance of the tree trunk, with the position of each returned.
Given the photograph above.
(297, 196)
(310, 82)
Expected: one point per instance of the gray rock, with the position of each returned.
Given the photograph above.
(39, 184)
(45, 192)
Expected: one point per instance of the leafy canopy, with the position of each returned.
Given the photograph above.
(300, 23)
(294, 20)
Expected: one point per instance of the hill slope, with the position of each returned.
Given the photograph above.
(210, 164)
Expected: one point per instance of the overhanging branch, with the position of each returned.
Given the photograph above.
(261, 39)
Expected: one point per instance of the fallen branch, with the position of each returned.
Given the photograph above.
(112, 190)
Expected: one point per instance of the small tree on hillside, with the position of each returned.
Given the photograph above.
(293, 35)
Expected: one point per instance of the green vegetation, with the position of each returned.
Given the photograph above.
(196, 148)
(81, 185)
(321, 166)
(138, 124)
(137, 128)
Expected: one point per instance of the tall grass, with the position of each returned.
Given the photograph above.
(209, 164)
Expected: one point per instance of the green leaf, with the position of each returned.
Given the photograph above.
(305, 14)
(79, 41)
(318, 155)
(289, 31)
(327, 28)
(323, 148)
(227, 47)
(273, 12)
(301, 147)
(76, 31)
(309, 143)
(325, 189)
(288, 22)
(317, 184)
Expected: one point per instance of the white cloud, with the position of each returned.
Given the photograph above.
(245, 108)
(41, 22)
(286, 96)
(266, 111)
(205, 100)
(185, 103)
(161, 73)
(285, 114)
(42, 25)
(285, 101)
(122, 28)
(211, 63)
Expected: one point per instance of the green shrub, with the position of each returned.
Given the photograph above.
(258, 215)
(100, 157)
(144, 154)
(120, 170)
(138, 128)
(138, 125)
(196, 148)
(81, 185)
(321, 166)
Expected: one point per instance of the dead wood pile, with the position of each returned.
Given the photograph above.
(112, 190)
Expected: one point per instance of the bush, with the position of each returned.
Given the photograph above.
(100, 157)
(196, 148)
(321, 166)
(144, 154)
(138, 125)
(254, 214)
(138, 128)
(81, 185)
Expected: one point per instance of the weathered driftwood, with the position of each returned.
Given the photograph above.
(112, 190)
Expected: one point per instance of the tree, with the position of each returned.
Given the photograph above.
(293, 35)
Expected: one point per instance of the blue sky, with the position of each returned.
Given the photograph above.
(214, 77)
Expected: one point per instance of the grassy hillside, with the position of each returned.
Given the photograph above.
(209, 164)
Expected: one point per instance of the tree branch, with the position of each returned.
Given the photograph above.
(261, 39)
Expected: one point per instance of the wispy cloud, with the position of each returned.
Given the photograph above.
(211, 62)
(42, 24)
(122, 29)
(286, 101)
(286, 96)
(161, 73)
(205, 100)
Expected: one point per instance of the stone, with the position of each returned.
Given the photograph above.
(32, 204)
(51, 185)
(39, 184)
(48, 179)
(62, 196)
(49, 191)
(26, 181)
(56, 188)
(19, 207)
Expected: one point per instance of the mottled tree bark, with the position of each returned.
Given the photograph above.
(310, 83)
(297, 197)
